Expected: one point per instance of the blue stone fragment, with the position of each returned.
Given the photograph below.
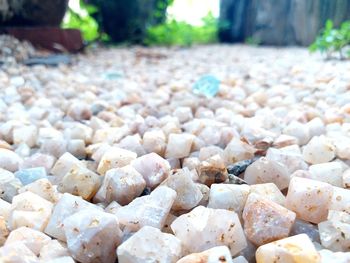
(207, 85)
(27, 176)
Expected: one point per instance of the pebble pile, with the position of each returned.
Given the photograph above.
(115, 159)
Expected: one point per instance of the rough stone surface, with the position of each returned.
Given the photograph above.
(121, 185)
(188, 195)
(80, 181)
(30, 210)
(179, 145)
(149, 244)
(297, 248)
(9, 160)
(149, 210)
(309, 199)
(318, 150)
(267, 171)
(228, 196)
(335, 231)
(114, 158)
(213, 255)
(153, 168)
(33, 239)
(92, 236)
(269, 191)
(65, 207)
(204, 228)
(266, 221)
(340, 200)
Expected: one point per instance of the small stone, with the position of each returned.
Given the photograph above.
(80, 181)
(327, 172)
(9, 160)
(65, 207)
(64, 164)
(303, 227)
(183, 114)
(42, 188)
(38, 160)
(30, 210)
(213, 170)
(179, 145)
(328, 256)
(297, 248)
(153, 168)
(318, 150)
(204, 228)
(188, 194)
(5, 209)
(9, 185)
(309, 199)
(30, 175)
(114, 158)
(194, 163)
(152, 246)
(133, 143)
(23, 150)
(217, 254)
(316, 127)
(149, 210)
(17, 252)
(292, 160)
(4, 232)
(340, 200)
(121, 185)
(56, 147)
(92, 236)
(210, 151)
(269, 191)
(239, 167)
(228, 196)
(154, 141)
(266, 221)
(53, 249)
(284, 140)
(238, 150)
(33, 239)
(298, 130)
(79, 111)
(112, 207)
(25, 134)
(335, 231)
(76, 148)
(267, 171)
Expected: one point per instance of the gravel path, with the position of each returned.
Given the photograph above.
(115, 157)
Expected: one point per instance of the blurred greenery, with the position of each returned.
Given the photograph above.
(333, 40)
(95, 19)
(83, 20)
(253, 41)
(180, 33)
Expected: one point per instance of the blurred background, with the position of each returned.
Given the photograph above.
(169, 22)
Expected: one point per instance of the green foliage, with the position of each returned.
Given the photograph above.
(83, 20)
(180, 33)
(253, 41)
(333, 40)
